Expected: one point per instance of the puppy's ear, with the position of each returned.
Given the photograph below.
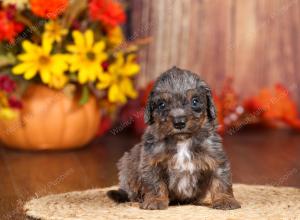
(148, 118)
(211, 109)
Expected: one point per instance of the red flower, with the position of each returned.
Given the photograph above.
(109, 12)
(7, 84)
(14, 103)
(9, 28)
(105, 125)
(105, 65)
(48, 8)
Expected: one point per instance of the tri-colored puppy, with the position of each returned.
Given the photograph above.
(180, 158)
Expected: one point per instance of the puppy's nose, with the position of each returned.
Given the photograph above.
(179, 122)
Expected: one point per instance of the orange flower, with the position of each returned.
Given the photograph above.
(109, 12)
(49, 9)
(274, 105)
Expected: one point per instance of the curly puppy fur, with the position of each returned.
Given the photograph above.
(180, 158)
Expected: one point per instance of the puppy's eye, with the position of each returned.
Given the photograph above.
(161, 105)
(196, 103)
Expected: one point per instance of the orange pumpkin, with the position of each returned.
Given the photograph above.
(50, 120)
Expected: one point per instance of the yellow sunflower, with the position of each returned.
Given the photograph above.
(117, 79)
(38, 59)
(115, 36)
(86, 56)
(58, 81)
(7, 113)
(54, 31)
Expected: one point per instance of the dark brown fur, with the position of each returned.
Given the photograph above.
(177, 165)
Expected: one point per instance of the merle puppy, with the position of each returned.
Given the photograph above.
(180, 158)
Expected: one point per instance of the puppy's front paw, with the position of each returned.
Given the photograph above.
(154, 204)
(226, 204)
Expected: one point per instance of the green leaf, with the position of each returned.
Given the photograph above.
(85, 94)
(72, 76)
(8, 59)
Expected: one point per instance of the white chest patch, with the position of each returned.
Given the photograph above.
(183, 179)
(186, 185)
(183, 157)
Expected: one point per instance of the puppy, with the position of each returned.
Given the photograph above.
(180, 158)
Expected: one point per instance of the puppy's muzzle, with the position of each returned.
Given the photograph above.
(179, 122)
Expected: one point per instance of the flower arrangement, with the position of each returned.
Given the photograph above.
(66, 45)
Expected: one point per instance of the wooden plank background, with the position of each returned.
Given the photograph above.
(257, 42)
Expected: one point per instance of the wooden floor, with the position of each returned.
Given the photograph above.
(257, 157)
